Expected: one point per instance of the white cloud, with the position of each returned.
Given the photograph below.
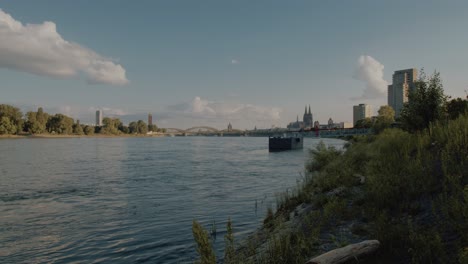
(39, 49)
(107, 111)
(204, 109)
(235, 61)
(370, 71)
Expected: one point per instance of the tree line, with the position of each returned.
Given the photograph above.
(426, 104)
(13, 122)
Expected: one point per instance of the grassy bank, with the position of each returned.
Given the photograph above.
(408, 190)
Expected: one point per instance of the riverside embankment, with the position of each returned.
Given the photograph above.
(407, 190)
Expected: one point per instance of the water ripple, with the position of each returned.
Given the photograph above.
(132, 200)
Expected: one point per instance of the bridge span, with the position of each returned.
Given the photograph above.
(210, 131)
(203, 130)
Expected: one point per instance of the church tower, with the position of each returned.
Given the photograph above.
(305, 117)
(308, 120)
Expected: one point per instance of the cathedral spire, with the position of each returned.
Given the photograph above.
(305, 111)
(309, 110)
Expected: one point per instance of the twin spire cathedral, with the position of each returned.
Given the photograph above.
(307, 121)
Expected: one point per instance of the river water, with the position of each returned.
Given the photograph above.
(132, 200)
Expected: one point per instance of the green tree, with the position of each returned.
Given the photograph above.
(88, 130)
(385, 118)
(153, 128)
(15, 119)
(142, 127)
(110, 126)
(124, 129)
(78, 129)
(133, 128)
(138, 127)
(426, 103)
(36, 121)
(60, 124)
(6, 126)
(364, 123)
(457, 107)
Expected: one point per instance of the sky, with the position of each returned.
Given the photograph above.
(210, 63)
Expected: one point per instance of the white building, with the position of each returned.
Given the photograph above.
(361, 111)
(99, 118)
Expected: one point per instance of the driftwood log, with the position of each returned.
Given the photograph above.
(341, 255)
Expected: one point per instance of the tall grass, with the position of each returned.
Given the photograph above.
(204, 247)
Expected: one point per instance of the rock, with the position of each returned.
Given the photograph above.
(336, 192)
(362, 179)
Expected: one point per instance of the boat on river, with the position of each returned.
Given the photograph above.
(285, 142)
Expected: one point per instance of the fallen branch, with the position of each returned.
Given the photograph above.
(341, 255)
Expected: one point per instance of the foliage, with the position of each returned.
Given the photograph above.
(269, 219)
(11, 121)
(204, 247)
(88, 130)
(60, 124)
(138, 127)
(153, 128)
(110, 126)
(385, 118)
(364, 123)
(6, 126)
(414, 197)
(322, 156)
(77, 128)
(124, 129)
(229, 250)
(142, 127)
(36, 121)
(425, 104)
(457, 107)
(287, 248)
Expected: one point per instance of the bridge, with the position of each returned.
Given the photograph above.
(202, 130)
(211, 131)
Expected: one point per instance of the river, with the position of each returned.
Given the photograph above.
(132, 200)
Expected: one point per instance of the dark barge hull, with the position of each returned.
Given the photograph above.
(285, 143)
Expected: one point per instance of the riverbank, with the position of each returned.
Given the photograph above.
(408, 191)
(80, 136)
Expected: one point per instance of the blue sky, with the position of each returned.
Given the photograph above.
(251, 63)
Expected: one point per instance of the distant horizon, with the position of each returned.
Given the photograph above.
(213, 63)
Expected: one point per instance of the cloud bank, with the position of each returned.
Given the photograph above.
(39, 49)
(370, 71)
(204, 109)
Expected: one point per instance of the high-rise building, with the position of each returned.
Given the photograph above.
(361, 111)
(150, 119)
(99, 118)
(403, 83)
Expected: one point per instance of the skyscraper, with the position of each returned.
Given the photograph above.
(403, 83)
(361, 111)
(99, 118)
(150, 119)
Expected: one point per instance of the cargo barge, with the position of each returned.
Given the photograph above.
(283, 143)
